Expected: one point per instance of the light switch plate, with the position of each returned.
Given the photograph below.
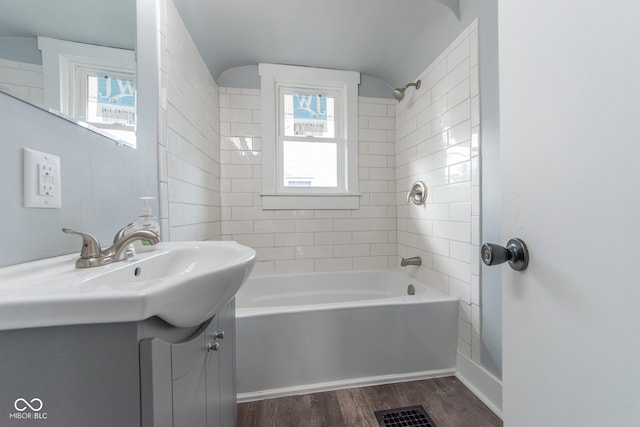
(42, 184)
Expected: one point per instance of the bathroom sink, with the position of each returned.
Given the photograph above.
(183, 283)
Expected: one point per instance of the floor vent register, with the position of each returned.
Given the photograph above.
(407, 416)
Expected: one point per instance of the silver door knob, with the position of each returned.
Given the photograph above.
(213, 346)
(516, 253)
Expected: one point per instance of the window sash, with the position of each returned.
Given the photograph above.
(338, 139)
(340, 166)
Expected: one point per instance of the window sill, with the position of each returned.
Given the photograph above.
(311, 201)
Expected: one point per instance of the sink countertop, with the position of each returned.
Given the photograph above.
(184, 283)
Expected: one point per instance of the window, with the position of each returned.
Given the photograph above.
(107, 101)
(310, 138)
(93, 86)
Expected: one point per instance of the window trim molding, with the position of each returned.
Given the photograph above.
(271, 76)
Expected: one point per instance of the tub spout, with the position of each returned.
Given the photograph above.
(416, 260)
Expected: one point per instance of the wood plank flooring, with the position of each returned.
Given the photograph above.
(448, 401)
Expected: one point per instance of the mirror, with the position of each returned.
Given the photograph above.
(74, 60)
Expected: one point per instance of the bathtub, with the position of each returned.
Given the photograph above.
(302, 333)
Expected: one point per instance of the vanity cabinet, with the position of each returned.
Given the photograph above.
(129, 374)
(191, 382)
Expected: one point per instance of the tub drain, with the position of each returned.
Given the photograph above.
(411, 290)
(407, 416)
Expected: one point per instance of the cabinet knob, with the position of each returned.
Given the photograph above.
(213, 346)
(218, 335)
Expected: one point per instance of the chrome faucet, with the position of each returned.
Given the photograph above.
(416, 260)
(92, 255)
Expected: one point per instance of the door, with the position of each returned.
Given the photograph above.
(570, 152)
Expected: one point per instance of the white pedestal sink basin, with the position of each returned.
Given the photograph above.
(183, 283)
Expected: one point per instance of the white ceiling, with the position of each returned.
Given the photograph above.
(386, 39)
(392, 40)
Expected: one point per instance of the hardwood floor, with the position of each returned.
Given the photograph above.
(447, 400)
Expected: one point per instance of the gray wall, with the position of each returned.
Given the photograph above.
(491, 186)
(101, 183)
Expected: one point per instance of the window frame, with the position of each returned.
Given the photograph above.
(63, 63)
(338, 139)
(274, 195)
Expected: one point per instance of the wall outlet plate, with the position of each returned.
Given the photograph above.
(41, 180)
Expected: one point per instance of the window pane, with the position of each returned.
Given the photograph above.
(309, 114)
(111, 100)
(310, 164)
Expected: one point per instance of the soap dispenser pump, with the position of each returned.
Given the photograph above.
(146, 221)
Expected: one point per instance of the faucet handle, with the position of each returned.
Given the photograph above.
(90, 245)
(122, 232)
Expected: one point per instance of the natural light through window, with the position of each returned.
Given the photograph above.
(309, 143)
(310, 138)
(310, 164)
(110, 104)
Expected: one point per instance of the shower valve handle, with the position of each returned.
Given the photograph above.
(516, 253)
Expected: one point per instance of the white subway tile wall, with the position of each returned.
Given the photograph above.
(437, 130)
(289, 241)
(210, 176)
(189, 137)
(22, 80)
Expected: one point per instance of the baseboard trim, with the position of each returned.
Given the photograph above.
(481, 382)
(342, 384)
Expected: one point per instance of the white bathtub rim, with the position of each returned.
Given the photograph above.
(331, 273)
(428, 294)
(242, 312)
(346, 273)
(344, 384)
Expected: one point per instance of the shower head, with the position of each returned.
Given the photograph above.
(398, 93)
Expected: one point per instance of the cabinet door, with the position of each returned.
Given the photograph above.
(213, 378)
(227, 320)
(189, 384)
(202, 386)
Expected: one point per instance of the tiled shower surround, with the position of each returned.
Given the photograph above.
(290, 241)
(189, 136)
(210, 185)
(432, 135)
(438, 142)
